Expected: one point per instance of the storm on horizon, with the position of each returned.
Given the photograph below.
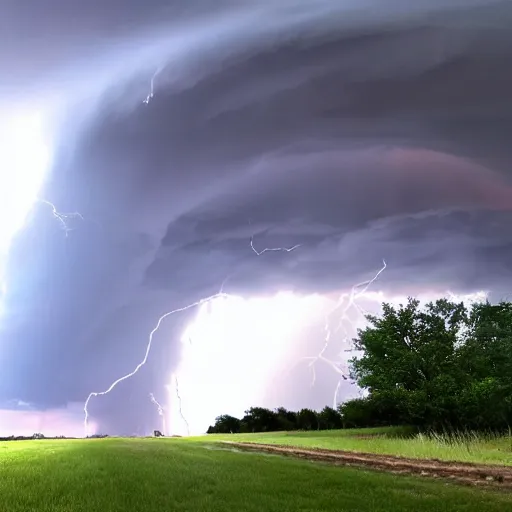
(189, 139)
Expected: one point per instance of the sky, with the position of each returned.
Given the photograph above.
(182, 132)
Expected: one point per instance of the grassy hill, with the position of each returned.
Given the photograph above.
(179, 474)
(491, 449)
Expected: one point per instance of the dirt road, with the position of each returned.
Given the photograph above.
(468, 473)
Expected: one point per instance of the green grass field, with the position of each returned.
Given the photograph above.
(182, 475)
(467, 448)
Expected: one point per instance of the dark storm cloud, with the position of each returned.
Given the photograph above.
(318, 200)
(362, 131)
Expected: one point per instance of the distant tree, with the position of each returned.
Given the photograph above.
(259, 419)
(286, 420)
(307, 420)
(357, 413)
(225, 424)
(329, 418)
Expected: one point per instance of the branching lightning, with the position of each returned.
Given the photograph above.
(346, 302)
(146, 354)
(273, 249)
(62, 218)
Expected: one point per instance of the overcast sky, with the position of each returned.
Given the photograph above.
(362, 130)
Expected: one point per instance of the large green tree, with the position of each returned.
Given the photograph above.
(409, 347)
(225, 424)
(440, 365)
(486, 364)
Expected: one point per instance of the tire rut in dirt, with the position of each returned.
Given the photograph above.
(463, 472)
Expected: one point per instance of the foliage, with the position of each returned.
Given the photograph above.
(225, 424)
(259, 419)
(329, 419)
(440, 367)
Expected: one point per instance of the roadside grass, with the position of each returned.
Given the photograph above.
(463, 447)
(174, 474)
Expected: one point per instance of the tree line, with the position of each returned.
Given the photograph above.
(259, 419)
(443, 366)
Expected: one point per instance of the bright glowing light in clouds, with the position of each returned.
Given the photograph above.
(237, 348)
(25, 157)
(232, 352)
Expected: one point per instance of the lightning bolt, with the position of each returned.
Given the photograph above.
(178, 396)
(161, 411)
(346, 302)
(273, 249)
(62, 218)
(357, 291)
(146, 354)
(151, 93)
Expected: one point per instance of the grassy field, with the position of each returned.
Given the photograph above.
(170, 474)
(467, 448)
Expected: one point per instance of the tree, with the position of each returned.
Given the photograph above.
(225, 424)
(408, 347)
(307, 419)
(486, 362)
(329, 418)
(259, 419)
(487, 350)
(440, 366)
(286, 420)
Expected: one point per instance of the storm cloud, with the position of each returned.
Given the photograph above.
(362, 131)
